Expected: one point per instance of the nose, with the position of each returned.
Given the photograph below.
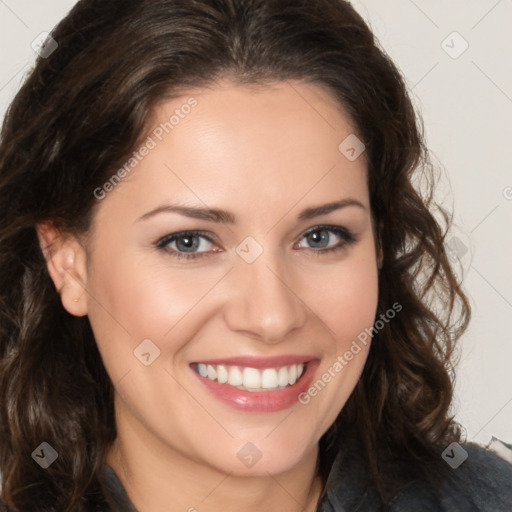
(264, 302)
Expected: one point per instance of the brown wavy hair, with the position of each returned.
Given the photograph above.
(80, 114)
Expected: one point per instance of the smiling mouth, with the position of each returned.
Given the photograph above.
(251, 379)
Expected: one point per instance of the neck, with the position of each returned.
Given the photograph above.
(157, 478)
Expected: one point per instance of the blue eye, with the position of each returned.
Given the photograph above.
(188, 243)
(319, 237)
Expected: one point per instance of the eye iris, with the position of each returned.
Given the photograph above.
(191, 243)
(318, 237)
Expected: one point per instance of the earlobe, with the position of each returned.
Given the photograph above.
(66, 263)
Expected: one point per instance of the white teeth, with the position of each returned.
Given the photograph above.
(292, 374)
(222, 374)
(252, 379)
(235, 376)
(212, 372)
(269, 378)
(201, 368)
(282, 376)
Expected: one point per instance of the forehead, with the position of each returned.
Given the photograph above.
(269, 145)
(308, 107)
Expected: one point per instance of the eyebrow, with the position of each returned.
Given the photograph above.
(226, 217)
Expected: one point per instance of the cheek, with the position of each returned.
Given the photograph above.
(139, 294)
(347, 299)
(133, 299)
(347, 305)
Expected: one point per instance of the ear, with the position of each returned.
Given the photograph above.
(67, 264)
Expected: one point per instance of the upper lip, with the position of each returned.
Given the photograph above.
(259, 362)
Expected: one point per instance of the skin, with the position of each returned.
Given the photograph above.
(265, 154)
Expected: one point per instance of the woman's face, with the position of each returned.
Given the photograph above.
(263, 281)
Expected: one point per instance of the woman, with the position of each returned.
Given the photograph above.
(217, 279)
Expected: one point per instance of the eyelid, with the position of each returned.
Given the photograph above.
(347, 235)
(329, 227)
(178, 234)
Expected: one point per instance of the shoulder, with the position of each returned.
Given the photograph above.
(477, 480)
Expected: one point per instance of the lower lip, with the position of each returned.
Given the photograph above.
(261, 401)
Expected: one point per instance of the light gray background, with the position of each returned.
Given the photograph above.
(466, 103)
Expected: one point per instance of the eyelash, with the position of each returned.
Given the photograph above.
(348, 237)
